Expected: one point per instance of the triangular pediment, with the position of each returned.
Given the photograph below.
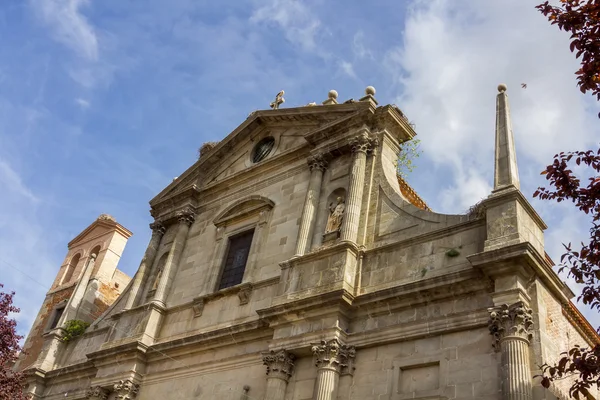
(291, 127)
(100, 227)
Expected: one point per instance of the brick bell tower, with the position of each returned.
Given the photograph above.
(86, 284)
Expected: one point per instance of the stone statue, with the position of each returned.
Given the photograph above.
(278, 100)
(334, 222)
(157, 280)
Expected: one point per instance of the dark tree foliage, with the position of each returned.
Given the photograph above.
(580, 18)
(11, 383)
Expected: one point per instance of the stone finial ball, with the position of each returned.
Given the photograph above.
(370, 90)
(502, 88)
(332, 94)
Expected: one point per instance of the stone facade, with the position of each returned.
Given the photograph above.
(291, 263)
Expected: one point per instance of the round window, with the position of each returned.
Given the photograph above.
(262, 149)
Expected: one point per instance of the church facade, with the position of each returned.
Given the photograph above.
(290, 262)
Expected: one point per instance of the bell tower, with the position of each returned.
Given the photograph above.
(86, 284)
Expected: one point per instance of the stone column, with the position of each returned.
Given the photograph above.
(126, 390)
(186, 219)
(97, 393)
(280, 366)
(512, 327)
(74, 302)
(317, 165)
(332, 359)
(361, 144)
(158, 230)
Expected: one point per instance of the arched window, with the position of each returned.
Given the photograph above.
(95, 251)
(71, 268)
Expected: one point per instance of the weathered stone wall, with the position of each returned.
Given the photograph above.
(35, 342)
(556, 335)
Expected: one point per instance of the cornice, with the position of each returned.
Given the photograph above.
(234, 334)
(440, 287)
(585, 329)
(338, 298)
(70, 369)
(512, 259)
(427, 236)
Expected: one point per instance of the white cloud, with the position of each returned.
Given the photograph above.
(12, 183)
(347, 68)
(69, 26)
(293, 17)
(454, 55)
(82, 103)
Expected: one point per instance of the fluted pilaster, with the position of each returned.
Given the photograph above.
(361, 145)
(158, 230)
(331, 358)
(512, 327)
(280, 366)
(186, 219)
(317, 165)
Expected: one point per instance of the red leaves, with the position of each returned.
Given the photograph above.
(582, 20)
(582, 264)
(10, 382)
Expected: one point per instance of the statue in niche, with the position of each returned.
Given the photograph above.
(334, 221)
(157, 280)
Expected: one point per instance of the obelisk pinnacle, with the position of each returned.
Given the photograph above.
(506, 174)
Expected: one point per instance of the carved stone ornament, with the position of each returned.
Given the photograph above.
(186, 216)
(333, 354)
(244, 294)
(510, 322)
(158, 228)
(198, 307)
(363, 143)
(280, 364)
(126, 390)
(318, 162)
(106, 217)
(279, 100)
(97, 393)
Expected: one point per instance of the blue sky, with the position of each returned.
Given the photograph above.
(102, 103)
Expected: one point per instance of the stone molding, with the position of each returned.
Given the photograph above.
(363, 143)
(186, 216)
(317, 162)
(513, 321)
(126, 390)
(280, 364)
(332, 354)
(97, 393)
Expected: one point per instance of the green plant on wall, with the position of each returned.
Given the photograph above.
(409, 152)
(74, 328)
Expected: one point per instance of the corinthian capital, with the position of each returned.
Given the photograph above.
(363, 143)
(510, 321)
(126, 390)
(97, 393)
(318, 161)
(186, 216)
(333, 354)
(157, 228)
(280, 364)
